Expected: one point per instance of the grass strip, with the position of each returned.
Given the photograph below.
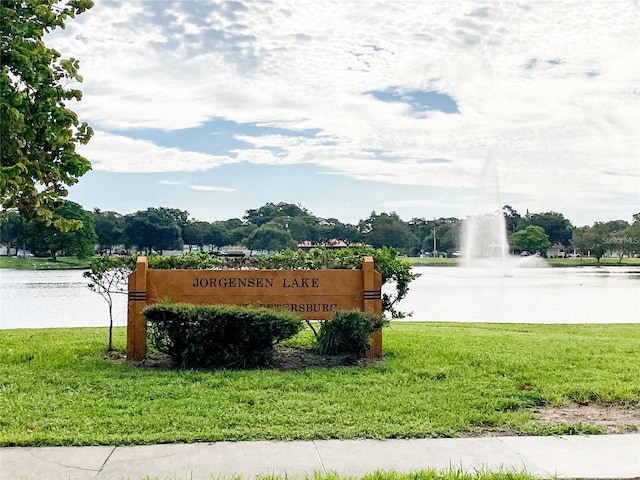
(66, 263)
(436, 380)
(37, 263)
(552, 262)
(592, 262)
(451, 474)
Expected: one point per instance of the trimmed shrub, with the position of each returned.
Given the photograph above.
(187, 261)
(347, 332)
(228, 336)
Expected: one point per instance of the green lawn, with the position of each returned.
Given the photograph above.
(437, 380)
(432, 262)
(36, 263)
(553, 262)
(592, 262)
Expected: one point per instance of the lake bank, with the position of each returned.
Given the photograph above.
(551, 262)
(37, 263)
(65, 263)
(436, 380)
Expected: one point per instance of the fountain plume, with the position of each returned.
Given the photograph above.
(483, 239)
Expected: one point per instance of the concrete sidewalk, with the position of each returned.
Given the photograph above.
(590, 456)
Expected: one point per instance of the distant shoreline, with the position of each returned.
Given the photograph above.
(551, 262)
(73, 263)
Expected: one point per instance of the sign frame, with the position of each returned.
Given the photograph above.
(313, 294)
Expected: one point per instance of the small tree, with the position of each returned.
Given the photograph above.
(532, 239)
(108, 275)
(593, 239)
(617, 241)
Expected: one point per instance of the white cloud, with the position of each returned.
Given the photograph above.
(547, 91)
(116, 153)
(170, 182)
(208, 188)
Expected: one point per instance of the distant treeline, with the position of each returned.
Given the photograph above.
(275, 227)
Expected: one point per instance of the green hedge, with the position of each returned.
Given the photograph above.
(348, 332)
(227, 336)
(395, 270)
(187, 261)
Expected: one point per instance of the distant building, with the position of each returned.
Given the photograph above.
(557, 250)
(307, 245)
(14, 252)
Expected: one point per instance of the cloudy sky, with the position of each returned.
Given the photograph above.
(425, 108)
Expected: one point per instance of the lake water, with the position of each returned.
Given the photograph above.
(39, 299)
(526, 295)
(54, 298)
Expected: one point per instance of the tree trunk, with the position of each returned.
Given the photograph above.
(110, 347)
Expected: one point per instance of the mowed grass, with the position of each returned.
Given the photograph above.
(36, 263)
(552, 262)
(436, 380)
(592, 262)
(63, 263)
(432, 262)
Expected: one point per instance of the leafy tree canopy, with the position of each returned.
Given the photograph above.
(532, 239)
(268, 237)
(155, 228)
(554, 224)
(77, 242)
(592, 239)
(38, 133)
(625, 240)
(511, 218)
(196, 233)
(109, 228)
(386, 229)
(283, 211)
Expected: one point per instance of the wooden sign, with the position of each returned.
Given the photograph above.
(313, 294)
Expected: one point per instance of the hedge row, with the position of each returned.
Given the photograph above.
(230, 336)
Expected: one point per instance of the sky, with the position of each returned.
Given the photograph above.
(423, 108)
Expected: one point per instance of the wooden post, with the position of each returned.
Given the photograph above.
(136, 324)
(372, 303)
